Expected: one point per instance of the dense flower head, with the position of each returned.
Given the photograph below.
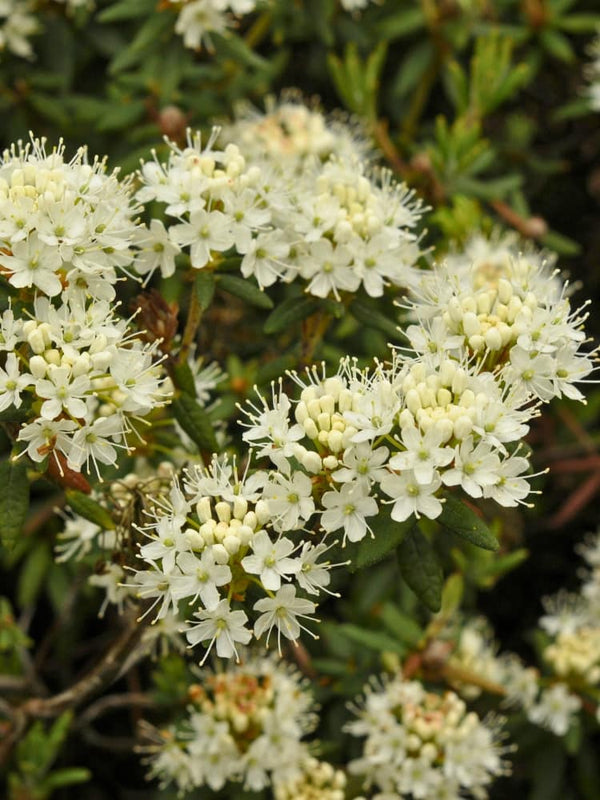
(65, 226)
(243, 725)
(291, 133)
(425, 745)
(475, 663)
(408, 428)
(77, 377)
(217, 545)
(507, 309)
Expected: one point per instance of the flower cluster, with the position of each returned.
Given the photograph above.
(243, 725)
(407, 429)
(507, 310)
(551, 705)
(290, 134)
(572, 620)
(335, 224)
(425, 745)
(217, 543)
(72, 368)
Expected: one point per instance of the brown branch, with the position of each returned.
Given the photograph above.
(103, 674)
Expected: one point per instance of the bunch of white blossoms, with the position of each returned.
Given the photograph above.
(17, 23)
(425, 745)
(290, 134)
(508, 311)
(573, 622)
(550, 704)
(217, 545)
(71, 366)
(408, 429)
(243, 725)
(337, 226)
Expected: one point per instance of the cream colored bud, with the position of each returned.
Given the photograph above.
(463, 427)
(469, 304)
(250, 520)
(38, 366)
(345, 400)
(240, 507)
(324, 421)
(493, 339)
(327, 403)
(232, 544)
(301, 412)
(406, 419)
(245, 534)
(263, 513)
(220, 531)
(485, 301)
(459, 381)
(455, 310)
(413, 401)
(310, 429)
(335, 442)
(444, 397)
(220, 553)
(471, 325)
(476, 343)
(314, 408)
(312, 462)
(223, 511)
(36, 341)
(195, 540)
(447, 372)
(330, 462)
(323, 437)
(207, 531)
(505, 291)
(334, 386)
(445, 428)
(102, 360)
(81, 365)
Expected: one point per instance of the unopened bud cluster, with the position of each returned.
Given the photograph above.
(421, 744)
(509, 311)
(243, 725)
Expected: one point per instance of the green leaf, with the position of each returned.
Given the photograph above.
(374, 640)
(68, 776)
(580, 23)
(461, 520)
(14, 500)
(292, 310)
(245, 290)
(34, 570)
(195, 422)
(401, 625)
(557, 45)
(204, 286)
(183, 379)
(388, 535)
(401, 24)
(89, 509)
(421, 569)
(369, 315)
(561, 244)
(127, 9)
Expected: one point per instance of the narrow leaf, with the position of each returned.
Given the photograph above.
(14, 500)
(204, 286)
(461, 520)
(373, 318)
(245, 290)
(401, 625)
(421, 569)
(89, 509)
(195, 422)
(374, 640)
(289, 312)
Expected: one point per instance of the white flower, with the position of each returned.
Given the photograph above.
(348, 509)
(12, 383)
(207, 231)
(200, 577)
(223, 627)
(290, 500)
(412, 497)
(423, 453)
(555, 709)
(475, 468)
(33, 263)
(281, 612)
(270, 560)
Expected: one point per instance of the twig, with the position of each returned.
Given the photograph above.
(111, 702)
